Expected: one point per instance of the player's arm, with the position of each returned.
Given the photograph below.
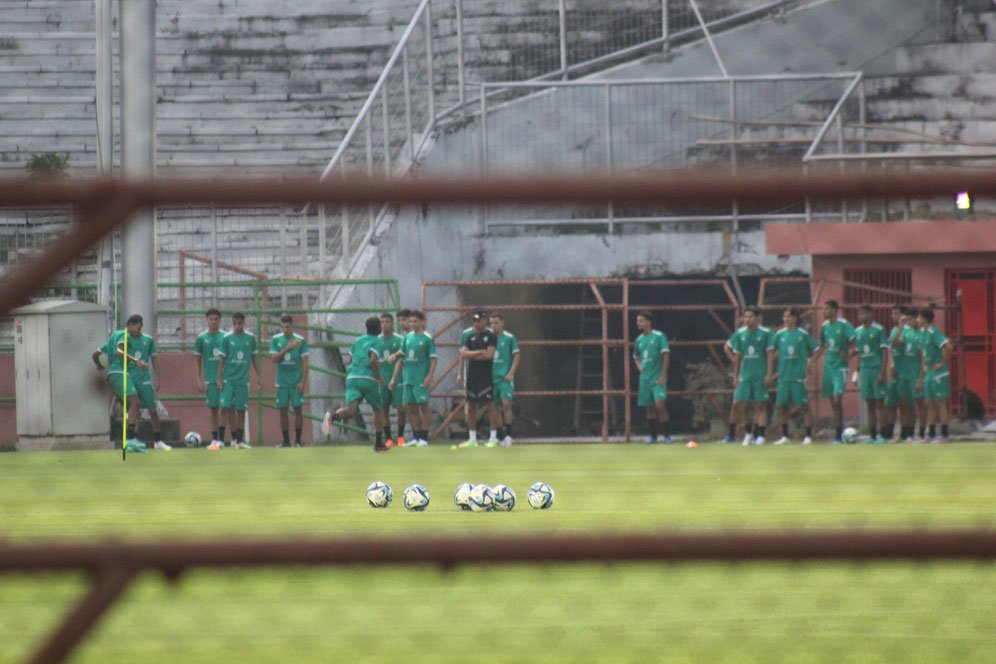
(665, 365)
(772, 359)
(488, 353)
(432, 369)
(200, 372)
(120, 351)
(221, 369)
(639, 367)
(397, 370)
(884, 371)
(736, 368)
(510, 376)
(946, 359)
(375, 364)
(95, 356)
(258, 368)
(155, 370)
(304, 374)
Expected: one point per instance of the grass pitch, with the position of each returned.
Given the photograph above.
(820, 612)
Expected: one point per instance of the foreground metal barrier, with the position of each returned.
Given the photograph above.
(115, 566)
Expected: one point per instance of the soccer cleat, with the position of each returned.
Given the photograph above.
(160, 445)
(759, 440)
(836, 441)
(748, 439)
(667, 440)
(506, 441)
(784, 440)
(134, 445)
(491, 443)
(807, 441)
(285, 444)
(421, 443)
(381, 448)
(401, 441)
(651, 440)
(298, 444)
(389, 443)
(465, 444)
(216, 445)
(241, 445)
(726, 441)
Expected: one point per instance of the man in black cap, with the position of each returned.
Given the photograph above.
(479, 352)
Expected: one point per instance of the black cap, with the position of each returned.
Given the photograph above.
(479, 315)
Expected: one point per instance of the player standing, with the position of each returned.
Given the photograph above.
(653, 358)
(750, 368)
(207, 348)
(792, 349)
(890, 404)
(238, 351)
(936, 359)
(872, 348)
(908, 363)
(417, 366)
(289, 351)
(479, 352)
(364, 380)
(390, 342)
(734, 420)
(836, 336)
(506, 363)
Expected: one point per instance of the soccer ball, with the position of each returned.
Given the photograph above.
(415, 498)
(379, 494)
(850, 435)
(461, 497)
(192, 439)
(540, 496)
(504, 498)
(481, 499)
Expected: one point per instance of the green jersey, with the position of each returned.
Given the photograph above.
(289, 368)
(505, 349)
(361, 368)
(932, 342)
(649, 349)
(794, 347)
(115, 362)
(142, 347)
(389, 346)
(869, 340)
(908, 355)
(465, 334)
(751, 346)
(419, 349)
(208, 347)
(238, 350)
(836, 337)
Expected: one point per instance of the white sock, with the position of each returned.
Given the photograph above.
(494, 435)
(473, 435)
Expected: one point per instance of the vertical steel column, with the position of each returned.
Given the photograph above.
(563, 38)
(862, 120)
(666, 34)
(734, 134)
(483, 207)
(428, 63)
(283, 256)
(627, 369)
(841, 167)
(387, 130)
(608, 147)
(214, 254)
(105, 133)
(461, 80)
(408, 101)
(138, 154)
(344, 235)
(370, 168)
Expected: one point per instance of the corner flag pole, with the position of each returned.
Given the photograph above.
(124, 403)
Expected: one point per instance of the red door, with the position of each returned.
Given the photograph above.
(972, 329)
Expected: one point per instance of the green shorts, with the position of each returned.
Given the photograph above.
(390, 397)
(415, 394)
(792, 393)
(363, 389)
(289, 396)
(146, 395)
(212, 395)
(892, 393)
(871, 387)
(833, 383)
(906, 389)
(502, 390)
(235, 397)
(750, 389)
(936, 385)
(650, 393)
(116, 381)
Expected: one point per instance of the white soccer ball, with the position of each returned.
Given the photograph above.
(481, 499)
(415, 498)
(192, 439)
(504, 498)
(540, 496)
(461, 497)
(850, 435)
(379, 494)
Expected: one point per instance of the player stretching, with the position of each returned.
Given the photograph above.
(479, 351)
(390, 343)
(207, 348)
(936, 359)
(238, 351)
(836, 336)
(506, 363)
(890, 404)
(418, 364)
(792, 349)
(363, 382)
(872, 347)
(652, 357)
(289, 352)
(140, 393)
(750, 368)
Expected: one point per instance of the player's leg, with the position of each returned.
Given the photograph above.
(759, 397)
(298, 425)
(425, 417)
(507, 417)
(402, 423)
(660, 410)
(473, 416)
(921, 417)
(645, 400)
(240, 405)
(283, 403)
(783, 401)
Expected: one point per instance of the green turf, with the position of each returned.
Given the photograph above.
(773, 612)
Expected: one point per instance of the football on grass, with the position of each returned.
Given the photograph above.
(379, 494)
(540, 496)
(415, 498)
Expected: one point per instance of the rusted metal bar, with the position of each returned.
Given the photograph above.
(449, 418)
(605, 361)
(627, 368)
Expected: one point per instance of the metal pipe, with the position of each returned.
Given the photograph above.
(214, 251)
(608, 149)
(104, 75)
(428, 63)
(461, 75)
(562, 11)
(666, 27)
(387, 132)
(406, 83)
(840, 166)
(708, 36)
(858, 76)
(627, 375)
